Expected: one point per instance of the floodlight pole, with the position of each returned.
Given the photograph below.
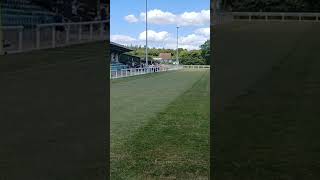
(98, 9)
(177, 45)
(146, 32)
(214, 9)
(1, 34)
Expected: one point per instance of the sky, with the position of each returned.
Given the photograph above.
(127, 23)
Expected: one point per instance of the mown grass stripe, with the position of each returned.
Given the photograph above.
(174, 143)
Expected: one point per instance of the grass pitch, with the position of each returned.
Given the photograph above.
(53, 113)
(160, 126)
(270, 129)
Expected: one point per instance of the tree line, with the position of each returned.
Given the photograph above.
(186, 57)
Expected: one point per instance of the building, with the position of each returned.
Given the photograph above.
(24, 13)
(116, 50)
(165, 57)
(130, 60)
(119, 60)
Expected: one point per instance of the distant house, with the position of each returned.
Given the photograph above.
(165, 57)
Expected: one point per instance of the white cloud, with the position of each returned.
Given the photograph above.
(195, 18)
(154, 36)
(192, 41)
(131, 18)
(122, 39)
(157, 16)
(164, 39)
(203, 31)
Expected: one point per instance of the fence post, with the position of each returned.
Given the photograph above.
(38, 37)
(20, 38)
(68, 34)
(300, 17)
(80, 32)
(53, 36)
(91, 31)
(101, 30)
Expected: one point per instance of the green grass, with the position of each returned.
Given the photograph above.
(271, 131)
(39, 58)
(53, 113)
(160, 126)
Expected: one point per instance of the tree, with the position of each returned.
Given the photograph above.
(205, 51)
(191, 58)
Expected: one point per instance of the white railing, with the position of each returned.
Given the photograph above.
(275, 16)
(196, 66)
(44, 36)
(114, 74)
(221, 18)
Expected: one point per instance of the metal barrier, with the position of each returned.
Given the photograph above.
(43, 36)
(275, 16)
(114, 74)
(221, 18)
(196, 66)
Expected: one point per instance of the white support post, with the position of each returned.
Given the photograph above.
(20, 39)
(91, 31)
(80, 32)
(126, 72)
(53, 36)
(68, 34)
(116, 73)
(38, 37)
(282, 14)
(101, 30)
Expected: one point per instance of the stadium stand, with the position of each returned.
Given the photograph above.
(116, 51)
(25, 13)
(116, 66)
(36, 24)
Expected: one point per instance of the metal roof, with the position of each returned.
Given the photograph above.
(119, 48)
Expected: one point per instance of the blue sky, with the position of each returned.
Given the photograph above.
(128, 22)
